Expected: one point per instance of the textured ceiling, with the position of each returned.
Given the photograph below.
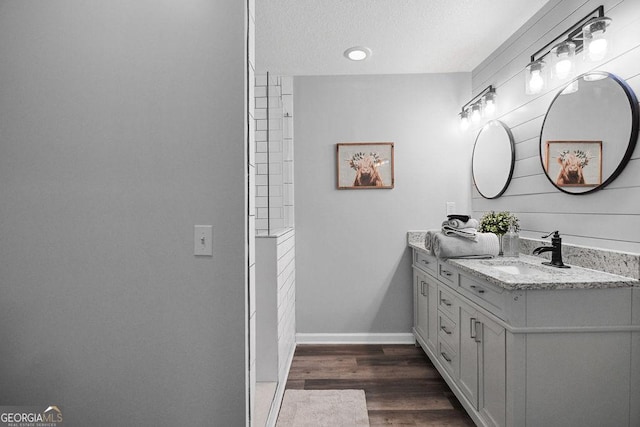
(308, 37)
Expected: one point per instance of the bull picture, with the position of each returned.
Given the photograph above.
(572, 164)
(366, 167)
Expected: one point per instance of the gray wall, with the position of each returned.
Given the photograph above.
(353, 268)
(609, 218)
(122, 124)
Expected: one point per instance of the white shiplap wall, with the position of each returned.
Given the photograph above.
(609, 218)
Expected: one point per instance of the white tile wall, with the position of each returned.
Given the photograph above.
(274, 153)
(273, 203)
(286, 301)
(276, 306)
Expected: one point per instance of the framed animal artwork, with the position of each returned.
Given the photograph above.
(365, 165)
(574, 163)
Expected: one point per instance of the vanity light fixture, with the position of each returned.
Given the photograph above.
(357, 53)
(587, 35)
(483, 104)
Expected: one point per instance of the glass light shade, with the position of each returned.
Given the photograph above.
(464, 120)
(476, 113)
(594, 34)
(490, 103)
(563, 55)
(535, 77)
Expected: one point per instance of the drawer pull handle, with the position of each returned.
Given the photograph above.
(447, 273)
(480, 290)
(445, 357)
(424, 261)
(445, 330)
(478, 337)
(446, 302)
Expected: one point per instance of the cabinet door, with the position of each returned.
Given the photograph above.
(469, 327)
(422, 306)
(432, 292)
(492, 371)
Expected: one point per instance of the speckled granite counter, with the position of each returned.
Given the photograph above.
(533, 274)
(538, 276)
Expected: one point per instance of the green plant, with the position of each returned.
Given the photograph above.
(498, 222)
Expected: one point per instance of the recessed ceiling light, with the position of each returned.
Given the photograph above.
(357, 53)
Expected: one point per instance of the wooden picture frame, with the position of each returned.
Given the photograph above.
(365, 165)
(574, 163)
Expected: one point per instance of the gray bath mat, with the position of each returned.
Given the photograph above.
(323, 408)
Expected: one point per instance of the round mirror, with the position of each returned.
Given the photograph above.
(493, 159)
(589, 133)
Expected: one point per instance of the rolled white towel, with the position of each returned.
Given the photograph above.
(486, 245)
(456, 223)
(428, 241)
(468, 233)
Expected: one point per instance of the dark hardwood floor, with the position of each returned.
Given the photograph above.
(401, 385)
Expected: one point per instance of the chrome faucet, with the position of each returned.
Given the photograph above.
(555, 248)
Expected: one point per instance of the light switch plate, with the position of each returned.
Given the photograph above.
(451, 208)
(203, 240)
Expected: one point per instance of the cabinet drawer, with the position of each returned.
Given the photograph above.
(484, 292)
(446, 302)
(448, 331)
(447, 274)
(426, 262)
(448, 358)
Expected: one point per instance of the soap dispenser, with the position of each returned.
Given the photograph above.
(511, 242)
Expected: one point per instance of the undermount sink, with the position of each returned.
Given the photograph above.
(516, 267)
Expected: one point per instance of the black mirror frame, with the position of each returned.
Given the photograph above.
(513, 160)
(635, 120)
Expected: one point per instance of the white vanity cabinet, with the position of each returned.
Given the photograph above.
(531, 356)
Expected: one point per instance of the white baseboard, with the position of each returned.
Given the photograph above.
(383, 338)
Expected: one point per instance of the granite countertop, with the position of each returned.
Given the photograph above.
(533, 274)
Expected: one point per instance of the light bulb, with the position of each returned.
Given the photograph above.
(563, 53)
(536, 82)
(595, 38)
(464, 123)
(357, 55)
(490, 102)
(563, 67)
(597, 49)
(475, 113)
(490, 107)
(464, 120)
